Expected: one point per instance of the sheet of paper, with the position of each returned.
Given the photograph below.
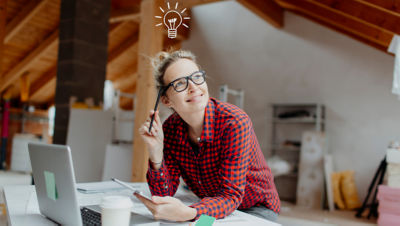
(104, 186)
(32, 206)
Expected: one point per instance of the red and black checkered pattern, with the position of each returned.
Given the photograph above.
(229, 171)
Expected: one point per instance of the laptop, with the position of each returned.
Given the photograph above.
(54, 178)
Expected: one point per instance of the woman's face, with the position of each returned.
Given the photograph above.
(194, 98)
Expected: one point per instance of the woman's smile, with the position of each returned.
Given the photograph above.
(195, 98)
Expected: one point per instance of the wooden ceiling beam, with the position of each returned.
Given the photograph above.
(119, 55)
(128, 76)
(127, 81)
(340, 21)
(46, 93)
(3, 18)
(118, 4)
(150, 43)
(391, 6)
(24, 87)
(192, 3)
(42, 81)
(22, 18)
(11, 76)
(125, 14)
(268, 10)
(128, 43)
(126, 103)
(340, 30)
(113, 27)
(364, 13)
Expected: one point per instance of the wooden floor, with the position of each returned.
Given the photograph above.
(294, 215)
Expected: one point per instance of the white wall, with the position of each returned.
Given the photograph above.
(303, 62)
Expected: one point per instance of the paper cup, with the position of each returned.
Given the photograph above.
(116, 210)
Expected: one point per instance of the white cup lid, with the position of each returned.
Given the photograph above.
(116, 202)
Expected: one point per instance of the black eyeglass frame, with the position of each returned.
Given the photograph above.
(203, 74)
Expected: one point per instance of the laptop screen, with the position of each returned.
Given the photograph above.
(54, 179)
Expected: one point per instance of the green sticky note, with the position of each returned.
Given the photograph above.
(205, 220)
(51, 188)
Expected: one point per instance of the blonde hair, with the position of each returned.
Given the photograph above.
(163, 60)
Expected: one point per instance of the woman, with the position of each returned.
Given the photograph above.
(211, 144)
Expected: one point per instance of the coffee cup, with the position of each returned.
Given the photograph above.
(116, 210)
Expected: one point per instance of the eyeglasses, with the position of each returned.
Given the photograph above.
(181, 84)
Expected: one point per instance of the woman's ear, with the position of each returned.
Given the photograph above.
(165, 101)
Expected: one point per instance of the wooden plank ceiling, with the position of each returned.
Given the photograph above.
(30, 36)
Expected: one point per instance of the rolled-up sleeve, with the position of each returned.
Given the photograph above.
(164, 181)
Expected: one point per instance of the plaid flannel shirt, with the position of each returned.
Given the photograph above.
(229, 170)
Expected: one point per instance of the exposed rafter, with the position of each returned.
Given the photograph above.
(40, 84)
(46, 93)
(269, 10)
(2, 29)
(125, 14)
(47, 45)
(391, 6)
(23, 17)
(126, 103)
(128, 81)
(192, 3)
(365, 13)
(150, 42)
(129, 42)
(340, 21)
(129, 52)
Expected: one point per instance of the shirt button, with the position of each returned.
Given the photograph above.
(166, 186)
(161, 174)
(199, 182)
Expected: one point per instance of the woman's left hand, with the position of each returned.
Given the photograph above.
(168, 208)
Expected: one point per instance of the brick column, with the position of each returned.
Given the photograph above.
(82, 57)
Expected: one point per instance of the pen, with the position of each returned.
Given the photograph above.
(155, 108)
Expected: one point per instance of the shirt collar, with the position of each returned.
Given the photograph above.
(208, 124)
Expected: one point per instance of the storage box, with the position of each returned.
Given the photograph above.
(389, 205)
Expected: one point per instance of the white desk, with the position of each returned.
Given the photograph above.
(22, 207)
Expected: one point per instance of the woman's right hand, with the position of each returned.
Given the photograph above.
(155, 138)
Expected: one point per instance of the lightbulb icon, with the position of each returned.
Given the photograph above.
(172, 20)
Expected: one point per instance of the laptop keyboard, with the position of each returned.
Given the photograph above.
(90, 217)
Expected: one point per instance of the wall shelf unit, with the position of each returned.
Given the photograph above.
(289, 121)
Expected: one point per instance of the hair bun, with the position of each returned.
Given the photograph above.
(160, 57)
(163, 59)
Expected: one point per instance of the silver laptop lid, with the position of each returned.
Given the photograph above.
(54, 178)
